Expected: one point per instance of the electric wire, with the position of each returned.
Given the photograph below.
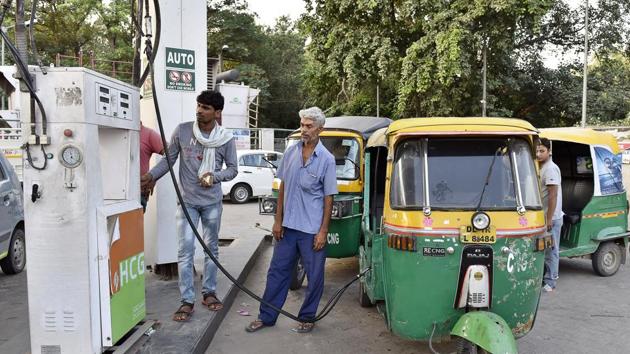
(326, 309)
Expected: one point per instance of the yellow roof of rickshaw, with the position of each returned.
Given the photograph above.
(581, 135)
(462, 125)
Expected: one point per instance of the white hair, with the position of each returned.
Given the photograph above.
(315, 114)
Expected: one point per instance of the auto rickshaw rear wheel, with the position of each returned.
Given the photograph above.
(607, 259)
(298, 275)
(467, 347)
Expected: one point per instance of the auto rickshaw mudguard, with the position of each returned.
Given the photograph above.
(487, 330)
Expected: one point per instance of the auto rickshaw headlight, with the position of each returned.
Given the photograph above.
(336, 210)
(342, 208)
(267, 206)
(480, 220)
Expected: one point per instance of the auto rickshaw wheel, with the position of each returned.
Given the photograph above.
(364, 299)
(607, 259)
(298, 275)
(467, 347)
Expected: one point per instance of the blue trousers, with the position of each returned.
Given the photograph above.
(286, 252)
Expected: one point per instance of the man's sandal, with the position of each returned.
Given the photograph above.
(183, 313)
(304, 327)
(255, 326)
(211, 302)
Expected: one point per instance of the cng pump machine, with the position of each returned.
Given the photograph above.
(84, 222)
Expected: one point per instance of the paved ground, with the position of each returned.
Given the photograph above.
(587, 314)
(162, 296)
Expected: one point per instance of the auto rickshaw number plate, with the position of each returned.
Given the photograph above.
(467, 234)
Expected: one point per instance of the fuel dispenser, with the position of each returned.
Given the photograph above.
(83, 217)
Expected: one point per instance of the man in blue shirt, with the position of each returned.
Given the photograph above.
(300, 227)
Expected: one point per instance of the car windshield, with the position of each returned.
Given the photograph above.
(458, 170)
(346, 153)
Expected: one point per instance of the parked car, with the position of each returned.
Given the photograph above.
(625, 157)
(256, 171)
(12, 241)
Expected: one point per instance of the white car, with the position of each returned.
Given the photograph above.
(256, 171)
(625, 157)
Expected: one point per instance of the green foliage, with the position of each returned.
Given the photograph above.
(270, 59)
(426, 56)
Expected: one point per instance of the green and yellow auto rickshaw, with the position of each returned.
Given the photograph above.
(594, 200)
(345, 138)
(454, 230)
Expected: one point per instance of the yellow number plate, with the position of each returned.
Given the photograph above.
(468, 235)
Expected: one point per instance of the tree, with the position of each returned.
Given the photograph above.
(426, 55)
(270, 59)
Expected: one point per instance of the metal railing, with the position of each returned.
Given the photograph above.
(121, 70)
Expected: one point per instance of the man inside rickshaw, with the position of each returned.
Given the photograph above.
(552, 203)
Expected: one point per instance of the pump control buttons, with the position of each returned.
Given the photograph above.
(70, 156)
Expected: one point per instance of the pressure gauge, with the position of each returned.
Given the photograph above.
(70, 156)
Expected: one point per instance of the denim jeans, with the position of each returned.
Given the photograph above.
(552, 256)
(210, 216)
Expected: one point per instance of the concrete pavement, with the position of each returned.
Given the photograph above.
(162, 297)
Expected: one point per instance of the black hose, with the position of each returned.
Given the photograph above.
(26, 77)
(331, 302)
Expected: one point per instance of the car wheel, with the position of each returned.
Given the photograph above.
(16, 259)
(607, 259)
(240, 193)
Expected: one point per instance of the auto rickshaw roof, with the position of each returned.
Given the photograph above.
(363, 125)
(463, 125)
(585, 136)
(378, 138)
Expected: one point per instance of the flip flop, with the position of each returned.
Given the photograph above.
(304, 327)
(211, 302)
(255, 326)
(182, 315)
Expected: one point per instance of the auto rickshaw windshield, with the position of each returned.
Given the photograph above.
(458, 169)
(346, 153)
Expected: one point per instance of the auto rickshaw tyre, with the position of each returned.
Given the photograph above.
(467, 347)
(297, 276)
(240, 193)
(364, 299)
(15, 261)
(607, 259)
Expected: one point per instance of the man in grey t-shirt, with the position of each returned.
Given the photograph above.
(551, 182)
(204, 146)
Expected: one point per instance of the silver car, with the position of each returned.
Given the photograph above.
(12, 247)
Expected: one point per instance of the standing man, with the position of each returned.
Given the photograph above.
(204, 147)
(552, 203)
(301, 223)
(150, 143)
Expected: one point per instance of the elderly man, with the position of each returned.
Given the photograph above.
(301, 223)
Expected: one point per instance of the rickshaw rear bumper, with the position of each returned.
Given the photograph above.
(487, 330)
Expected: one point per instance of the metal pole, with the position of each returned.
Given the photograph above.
(483, 100)
(378, 100)
(584, 79)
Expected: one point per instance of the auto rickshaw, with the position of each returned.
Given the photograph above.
(594, 201)
(454, 230)
(345, 138)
